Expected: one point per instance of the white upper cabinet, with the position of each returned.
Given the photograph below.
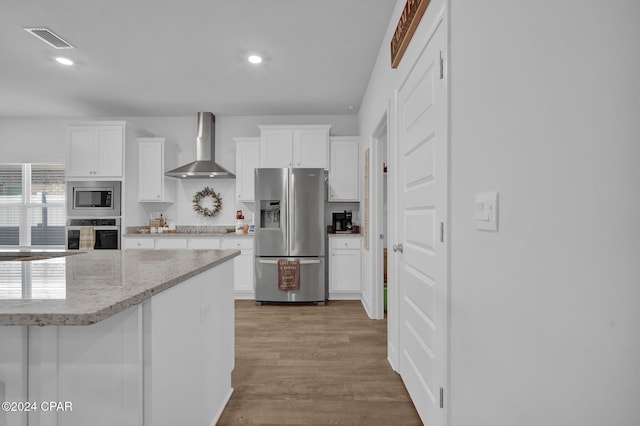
(277, 148)
(310, 147)
(95, 151)
(343, 169)
(294, 146)
(155, 156)
(247, 160)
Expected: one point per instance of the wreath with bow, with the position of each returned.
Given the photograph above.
(205, 211)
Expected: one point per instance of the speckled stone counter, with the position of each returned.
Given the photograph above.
(186, 235)
(89, 287)
(186, 231)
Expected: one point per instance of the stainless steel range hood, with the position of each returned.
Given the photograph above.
(205, 166)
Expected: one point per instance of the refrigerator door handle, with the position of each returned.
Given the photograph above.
(292, 213)
(284, 225)
(302, 262)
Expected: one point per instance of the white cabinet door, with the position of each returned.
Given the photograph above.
(109, 149)
(98, 369)
(294, 146)
(14, 366)
(243, 270)
(150, 163)
(171, 243)
(80, 152)
(95, 151)
(243, 282)
(247, 160)
(242, 243)
(343, 169)
(345, 260)
(277, 148)
(204, 243)
(153, 185)
(138, 243)
(310, 148)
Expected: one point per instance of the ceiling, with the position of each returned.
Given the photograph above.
(148, 58)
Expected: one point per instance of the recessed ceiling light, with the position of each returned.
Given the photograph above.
(254, 59)
(64, 61)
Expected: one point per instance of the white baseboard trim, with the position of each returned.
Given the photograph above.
(345, 296)
(221, 409)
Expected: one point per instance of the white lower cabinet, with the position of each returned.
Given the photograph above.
(138, 243)
(243, 266)
(204, 243)
(345, 267)
(244, 277)
(171, 243)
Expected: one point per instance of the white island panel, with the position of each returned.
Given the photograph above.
(13, 372)
(149, 344)
(189, 345)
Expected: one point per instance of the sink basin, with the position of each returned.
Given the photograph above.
(12, 256)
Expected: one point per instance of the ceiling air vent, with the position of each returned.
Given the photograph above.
(49, 37)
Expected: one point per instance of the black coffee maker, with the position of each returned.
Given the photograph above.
(342, 221)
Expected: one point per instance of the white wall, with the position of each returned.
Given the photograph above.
(28, 140)
(544, 107)
(545, 101)
(32, 141)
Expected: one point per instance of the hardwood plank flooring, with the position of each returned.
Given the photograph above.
(314, 365)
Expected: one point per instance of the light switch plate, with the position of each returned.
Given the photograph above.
(486, 210)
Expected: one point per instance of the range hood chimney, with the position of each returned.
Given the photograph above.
(205, 166)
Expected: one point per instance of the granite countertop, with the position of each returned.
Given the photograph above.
(85, 288)
(136, 234)
(343, 234)
(187, 232)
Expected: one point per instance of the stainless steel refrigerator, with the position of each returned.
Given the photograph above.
(289, 226)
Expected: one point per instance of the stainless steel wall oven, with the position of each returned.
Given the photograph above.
(107, 233)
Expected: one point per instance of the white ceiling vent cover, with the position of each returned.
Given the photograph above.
(49, 37)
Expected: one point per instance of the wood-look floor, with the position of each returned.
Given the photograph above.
(314, 365)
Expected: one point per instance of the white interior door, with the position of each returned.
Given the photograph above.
(422, 260)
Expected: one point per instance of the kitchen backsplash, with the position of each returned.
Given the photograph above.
(181, 212)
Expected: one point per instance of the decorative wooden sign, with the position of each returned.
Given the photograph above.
(409, 20)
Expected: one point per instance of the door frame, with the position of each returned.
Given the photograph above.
(393, 314)
(375, 240)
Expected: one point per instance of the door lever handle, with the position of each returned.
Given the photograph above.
(398, 248)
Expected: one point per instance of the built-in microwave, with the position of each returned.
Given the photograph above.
(93, 198)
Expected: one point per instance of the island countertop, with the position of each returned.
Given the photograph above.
(85, 288)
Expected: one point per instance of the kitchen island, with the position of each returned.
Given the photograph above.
(141, 337)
